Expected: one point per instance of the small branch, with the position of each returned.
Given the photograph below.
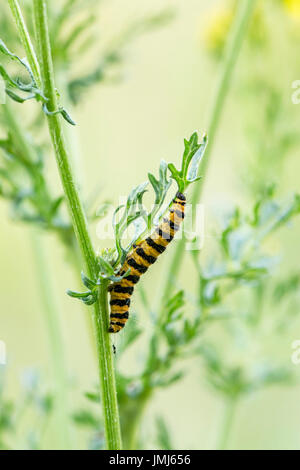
(226, 425)
(48, 296)
(56, 132)
(234, 45)
(78, 216)
(51, 312)
(233, 48)
(26, 41)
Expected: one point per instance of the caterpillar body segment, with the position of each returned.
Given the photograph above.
(143, 255)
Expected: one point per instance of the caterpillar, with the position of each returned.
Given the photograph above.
(139, 259)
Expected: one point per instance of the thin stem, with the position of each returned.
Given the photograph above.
(26, 41)
(238, 32)
(107, 375)
(100, 313)
(227, 422)
(134, 419)
(48, 295)
(52, 317)
(235, 41)
(25, 148)
(56, 131)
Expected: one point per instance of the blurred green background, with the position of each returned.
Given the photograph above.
(124, 129)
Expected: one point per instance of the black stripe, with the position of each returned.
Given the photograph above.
(158, 248)
(172, 224)
(165, 235)
(120, 315)
(118, 323)
(132, 278)
(141, 269)
(150, 259)
(120, 302)
(122, 289)
(177, 201)
(179, 214)
(180, 196)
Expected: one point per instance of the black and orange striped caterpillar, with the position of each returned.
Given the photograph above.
(138, 261)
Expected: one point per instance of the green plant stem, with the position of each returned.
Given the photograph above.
(132, 418)
(52, 316)
(238, 32)
(58, 140)
(46, 289)
(226, 424)
(10, 117)
(25, 38)
(100, 309)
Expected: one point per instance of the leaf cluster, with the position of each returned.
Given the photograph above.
(134, 212)
(23, 182)
(29, 89)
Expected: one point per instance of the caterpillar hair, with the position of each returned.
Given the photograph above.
(139, 259)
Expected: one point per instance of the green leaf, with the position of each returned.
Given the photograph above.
(94, 397)
(56, 205)
(88, 282)
(4, 49)
(106, 268)
(174, 172)
(67, 116)
(78, 295)
(86, 419)
(192, 156)
(130, 213)
(18, 98)
(195, 162)
(154, 183)
(61, 111)
(114, 278)
(30, 88)
(173, 305)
